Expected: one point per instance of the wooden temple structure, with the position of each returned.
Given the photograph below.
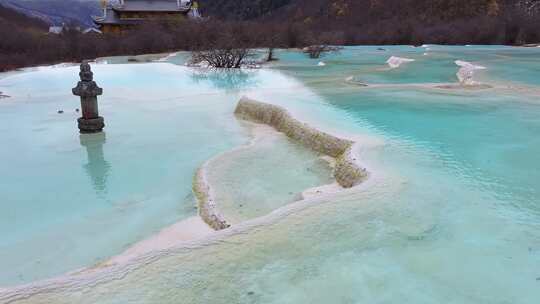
(124, 14)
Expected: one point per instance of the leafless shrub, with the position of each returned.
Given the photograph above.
(321, 43)
(221, 58)
(224, 46)
(274, 39)
(316, 51)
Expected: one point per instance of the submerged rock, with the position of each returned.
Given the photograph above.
(352, 80)
(466, 72)
(395, 62)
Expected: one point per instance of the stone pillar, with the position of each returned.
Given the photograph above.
(87, 89)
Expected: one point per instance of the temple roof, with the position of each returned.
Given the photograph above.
(111, 17)
(152, 6)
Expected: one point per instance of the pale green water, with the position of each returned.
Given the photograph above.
(451, 213)
(258, 179)
(69, 201)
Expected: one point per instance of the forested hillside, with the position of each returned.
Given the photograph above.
(397, 21)
(242, 9)
(362, 10)
(357, 21)
(272, 24)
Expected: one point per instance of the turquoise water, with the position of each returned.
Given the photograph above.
(77, 200)
(451, 213)
(272, 172)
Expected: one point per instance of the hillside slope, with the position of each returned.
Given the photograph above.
(396, 21)
(362, 11)
(241, 9)
(339, 9)
(56, 12)
(10, 18)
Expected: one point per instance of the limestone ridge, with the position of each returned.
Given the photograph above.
(346, 172)
(206, 204)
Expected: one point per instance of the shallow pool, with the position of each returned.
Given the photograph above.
(450, 213)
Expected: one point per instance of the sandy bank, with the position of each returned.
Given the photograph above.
(190, 229)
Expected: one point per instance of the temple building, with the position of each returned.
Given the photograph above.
(124, 14)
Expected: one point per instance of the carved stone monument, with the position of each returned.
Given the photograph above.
(87, 89)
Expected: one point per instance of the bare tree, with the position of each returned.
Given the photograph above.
(321, 43)
(270, 56)
(316, 51)
(221, 58)
(224, 47)
(273, 40)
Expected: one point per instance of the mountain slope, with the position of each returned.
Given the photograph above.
(56, 12)
(241, 9)
(298, 9)
(10, 18)
(395, 21)
(349, 21)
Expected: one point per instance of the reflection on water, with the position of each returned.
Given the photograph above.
(97, 167)
(445, 217)
(227, 79)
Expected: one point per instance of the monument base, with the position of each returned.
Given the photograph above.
(94, 125)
